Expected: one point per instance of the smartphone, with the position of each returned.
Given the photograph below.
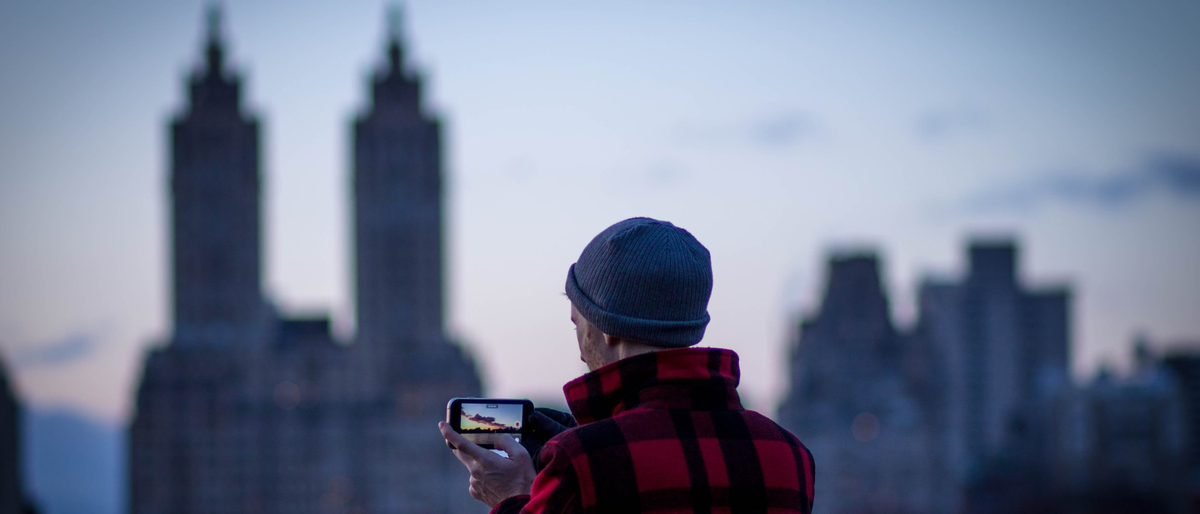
(483, 420)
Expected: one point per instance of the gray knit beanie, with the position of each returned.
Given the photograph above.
(644, 280)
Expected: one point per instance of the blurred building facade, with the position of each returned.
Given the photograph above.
(13, 497)
(245, 410)
(1004, 350)
(862, 400)
(1121, 443)
(972, 409)
(1182, 368)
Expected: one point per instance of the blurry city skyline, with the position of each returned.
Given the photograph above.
(773, 132)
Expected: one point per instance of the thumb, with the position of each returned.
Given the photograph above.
(514, 449)
(461, 444)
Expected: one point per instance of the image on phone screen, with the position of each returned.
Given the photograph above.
(482, 423)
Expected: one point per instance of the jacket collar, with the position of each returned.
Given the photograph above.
(683, 378)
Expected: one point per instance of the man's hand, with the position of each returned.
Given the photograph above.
(544, 424)
(493, 478)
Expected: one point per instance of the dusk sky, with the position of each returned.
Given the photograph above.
(776, 132)
(502, 416)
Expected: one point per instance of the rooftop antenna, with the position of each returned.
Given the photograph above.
(395, 22)
(214, 21)
(214, 51)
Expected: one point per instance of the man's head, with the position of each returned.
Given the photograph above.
(641, 283)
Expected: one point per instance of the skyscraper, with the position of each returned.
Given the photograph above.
(398, 209)
(1184, 367)
(922, 419)
(1122, 441)
(12, 493)
(215, 214)
(245, 411)
(860, 400)
(1005, 351)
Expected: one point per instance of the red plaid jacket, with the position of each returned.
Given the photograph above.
(665, 432)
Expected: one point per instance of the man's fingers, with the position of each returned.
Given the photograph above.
(514, 449)
(462, 457)
(462, 445)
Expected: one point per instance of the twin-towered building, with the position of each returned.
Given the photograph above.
(244, 410)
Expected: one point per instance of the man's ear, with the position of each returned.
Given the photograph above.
(611, 340)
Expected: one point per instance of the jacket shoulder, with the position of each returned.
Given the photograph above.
(766, 428)
(581, 439)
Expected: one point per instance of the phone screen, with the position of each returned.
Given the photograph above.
(479, 420)
(483, 420)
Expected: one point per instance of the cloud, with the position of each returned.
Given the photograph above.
(665, 174)
(1174, 175)
(782, 129)
(487, 421)
(937, 124)
(1180, 173)
(778, 130)
(481, 419)
(57, 353)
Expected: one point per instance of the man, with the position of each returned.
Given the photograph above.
(661, 427)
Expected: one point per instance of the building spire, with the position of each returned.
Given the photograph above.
(215, 53)
(395, 22)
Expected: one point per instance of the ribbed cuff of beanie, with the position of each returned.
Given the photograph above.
(667, 334)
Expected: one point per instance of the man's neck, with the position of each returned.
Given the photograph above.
(626, 349)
